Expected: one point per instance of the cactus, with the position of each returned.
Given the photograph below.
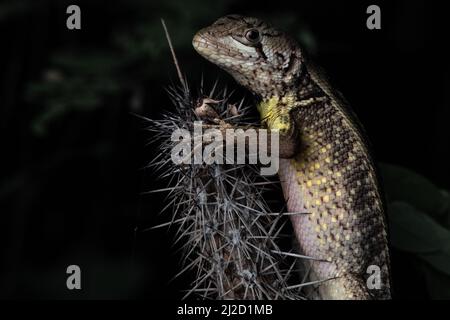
(229, 233)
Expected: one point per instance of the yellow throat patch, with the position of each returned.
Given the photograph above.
(274, 112)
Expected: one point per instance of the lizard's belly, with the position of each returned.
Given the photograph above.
(339, 222)
(304, 227)
(331, 183)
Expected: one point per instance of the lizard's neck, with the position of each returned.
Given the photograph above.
(275, 109)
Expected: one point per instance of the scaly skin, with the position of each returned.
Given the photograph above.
(327, 171)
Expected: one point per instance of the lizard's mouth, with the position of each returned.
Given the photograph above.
(207, 48)
(202, 44)
(212, 49)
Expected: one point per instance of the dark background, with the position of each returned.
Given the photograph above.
(73, 153)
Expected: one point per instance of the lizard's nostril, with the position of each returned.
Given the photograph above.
(199, 42)
(196, 40)
(199, 36)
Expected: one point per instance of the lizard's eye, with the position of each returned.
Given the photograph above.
(253, 35)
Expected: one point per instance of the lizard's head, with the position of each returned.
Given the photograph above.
(259, 57)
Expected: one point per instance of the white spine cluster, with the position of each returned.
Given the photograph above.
(230, 236)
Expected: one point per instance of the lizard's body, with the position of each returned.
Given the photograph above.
(327, 171)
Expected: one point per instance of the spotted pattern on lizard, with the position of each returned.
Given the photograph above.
(327, 171)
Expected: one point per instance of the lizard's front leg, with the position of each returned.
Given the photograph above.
(289, 142)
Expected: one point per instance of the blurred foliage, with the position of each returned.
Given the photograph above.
(73, 83)
(81, 79)
(419, 219)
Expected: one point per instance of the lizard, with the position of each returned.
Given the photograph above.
(326, 169)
